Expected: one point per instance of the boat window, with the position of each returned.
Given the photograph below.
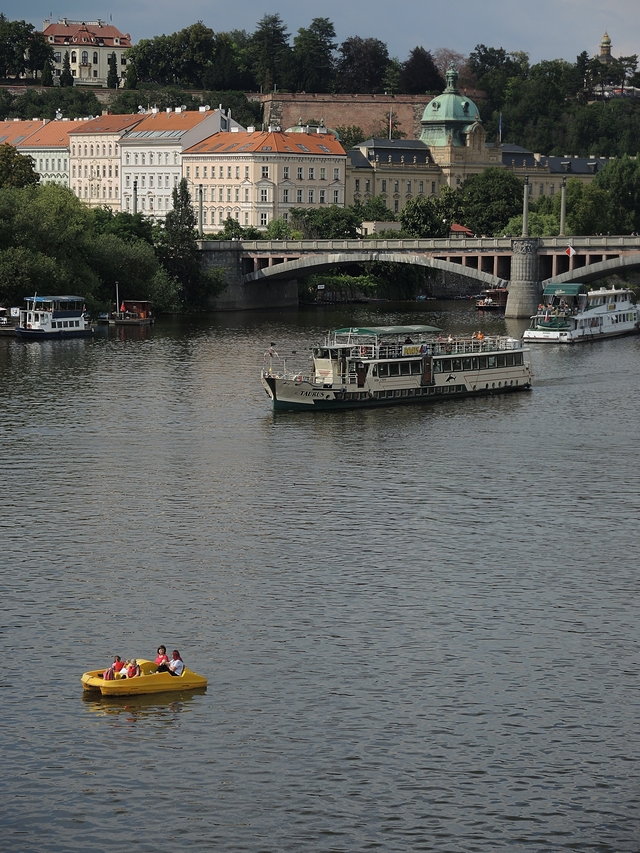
(446, 365)
(466, 364)
(501, 361)
(416, 367)
(491, 361)
(456, 364)
(437, 365)
(482, 362)
(509, 359)
(334, 353)
(405, 368)
(474, 363)
(517, 358)
(383, 370)
(394, 369)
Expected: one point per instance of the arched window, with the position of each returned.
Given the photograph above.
(95, 57)
(104, 150)
(128, 158)
(73, 150)
(151, 158)
(136, 158)
(85, 57)
(85, 150)
(73, 56)
(92, 150)
(109, 149)
(143, 159)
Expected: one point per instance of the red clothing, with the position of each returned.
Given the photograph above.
(118, 665)
(162, 659)
(132, 671)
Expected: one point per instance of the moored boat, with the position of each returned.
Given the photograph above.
(150, 681)
(51, 317)
(570, 313)
(391, 365)
(494, 299)
(133, 312)
(7, 323)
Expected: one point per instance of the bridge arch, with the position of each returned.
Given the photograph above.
(593, 272)
(319, 263)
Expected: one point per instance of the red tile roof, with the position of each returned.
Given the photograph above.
(54, 134)
(169, 122)
(110, 123)
(77, 34)
(268, 142)
(15, 132)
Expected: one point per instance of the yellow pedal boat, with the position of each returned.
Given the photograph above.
(149, 682)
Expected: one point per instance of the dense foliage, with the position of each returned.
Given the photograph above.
(48, 235)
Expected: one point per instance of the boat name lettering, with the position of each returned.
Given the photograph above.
(313, 394)
(414, 349)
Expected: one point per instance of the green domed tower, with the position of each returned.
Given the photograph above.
(448, 118)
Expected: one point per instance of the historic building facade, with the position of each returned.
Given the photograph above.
(95, 159)
(258, 176)
(89, 44)
(151, 155)
(49, 147)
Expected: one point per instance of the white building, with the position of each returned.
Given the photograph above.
(48, 145)
(151, 155)
(90, 44)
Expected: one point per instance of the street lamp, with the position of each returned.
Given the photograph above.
(563, 207)
(525, 208)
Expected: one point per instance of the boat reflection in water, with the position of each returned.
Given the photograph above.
(129, 708)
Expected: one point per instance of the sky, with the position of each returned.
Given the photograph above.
(545, 29)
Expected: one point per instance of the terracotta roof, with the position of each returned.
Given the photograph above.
(15, 132)
(268, 142)
(109, 123)
(54, 134)
(164, 122)
(86, 34)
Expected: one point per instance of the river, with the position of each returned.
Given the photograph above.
(419, 624)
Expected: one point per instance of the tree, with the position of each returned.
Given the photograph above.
(490, 199)
(350, 135)
(621, 180)
(113, 81)
(587, 209)
(66, 78)
(227, 69)
(419, 74)
(15, 39)
(46, 78)
(420, 217)
(362, 65)
(278, 229)
(328, 223)
(313, 56)
(193, 51)
(373, 210)
(269, 54)
(16, 170)
(444, 56)
(131, 80)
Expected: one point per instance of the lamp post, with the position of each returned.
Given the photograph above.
(525, 208)
(563, 207)
(135, 197)
(200, 229)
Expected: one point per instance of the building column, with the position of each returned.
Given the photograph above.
(524, 287)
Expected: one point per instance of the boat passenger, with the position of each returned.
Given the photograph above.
(480, 335)
(162, 655)
(118, 663)
(175, 665)
(133, 669)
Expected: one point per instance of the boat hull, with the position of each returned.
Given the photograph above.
(290, 396)
(149, 682)
(572, 336)
(52, 335)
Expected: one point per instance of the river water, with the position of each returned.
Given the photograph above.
(419, 625)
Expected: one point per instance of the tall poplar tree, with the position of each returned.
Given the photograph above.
(112, 77)
(66, 78)
(313, 56)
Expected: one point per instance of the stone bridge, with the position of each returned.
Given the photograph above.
(263, 274)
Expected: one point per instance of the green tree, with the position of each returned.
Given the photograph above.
(66, 78)
(131, 80)
(328, 223)
(15, 40)
(227, 70)
(621, 180)
(350, 135)
(126, 226)
(419, 74)
(313, 56)
(278, 229)
(113, 81)
(194, 49)
(587, 209)
(46, 78)
(39, 53)
(373, 210)
(421, 217)
(269, 54)
(361, 65)
(16, 170)
(490, 200)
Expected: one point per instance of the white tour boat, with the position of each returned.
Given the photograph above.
(570, 312)
(47, 317)
(388, 365)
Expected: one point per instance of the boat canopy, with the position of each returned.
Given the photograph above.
(39, 299)
(388, 330)
(564, 289)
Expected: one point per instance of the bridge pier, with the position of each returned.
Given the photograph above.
(525, 287)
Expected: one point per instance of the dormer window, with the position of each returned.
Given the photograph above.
(465, 106)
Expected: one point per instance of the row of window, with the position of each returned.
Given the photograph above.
(396, 186)
(89, 150)
(84, 57)
(43, 164)
(141, 181)
(94, 192)
(94, 171)
(265, 172)
(140, 158)
(483, 362)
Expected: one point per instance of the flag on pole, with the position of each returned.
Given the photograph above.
(500, 129)
(570, 251)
